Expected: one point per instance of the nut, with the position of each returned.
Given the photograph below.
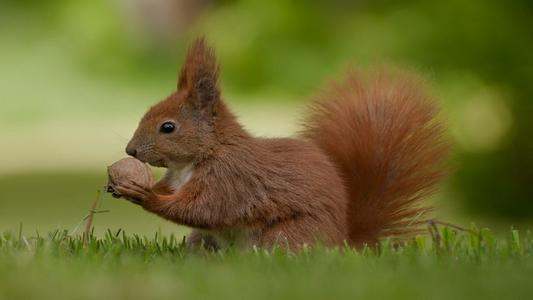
(128, 169)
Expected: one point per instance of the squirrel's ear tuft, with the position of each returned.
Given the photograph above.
(199, 74)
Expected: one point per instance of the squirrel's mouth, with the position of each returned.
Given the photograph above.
(160, 163)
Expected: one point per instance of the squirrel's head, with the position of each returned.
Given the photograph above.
(182, 127)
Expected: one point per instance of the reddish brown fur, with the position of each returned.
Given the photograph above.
(367, 157)
(382, 133)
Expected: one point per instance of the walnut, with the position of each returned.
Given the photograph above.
(128, 169)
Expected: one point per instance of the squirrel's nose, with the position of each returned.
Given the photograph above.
(131, 151)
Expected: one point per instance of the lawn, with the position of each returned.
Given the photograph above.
(115, 265)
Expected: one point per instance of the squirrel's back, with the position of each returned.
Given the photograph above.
(382, 133)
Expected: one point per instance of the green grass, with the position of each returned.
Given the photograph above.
(115, 265)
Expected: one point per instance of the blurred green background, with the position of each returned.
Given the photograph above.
(75, 77)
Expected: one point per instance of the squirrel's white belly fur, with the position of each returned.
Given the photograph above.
(177, 176)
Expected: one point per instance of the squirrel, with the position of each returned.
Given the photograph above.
(371, 150)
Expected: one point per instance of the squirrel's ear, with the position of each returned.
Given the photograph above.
(199, 75)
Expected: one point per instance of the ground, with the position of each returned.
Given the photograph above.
(465, 265)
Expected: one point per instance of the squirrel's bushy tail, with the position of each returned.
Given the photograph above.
(383, 134)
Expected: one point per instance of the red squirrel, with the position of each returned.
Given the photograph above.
(371, 150)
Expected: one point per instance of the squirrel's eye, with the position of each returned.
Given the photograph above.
(167, 127)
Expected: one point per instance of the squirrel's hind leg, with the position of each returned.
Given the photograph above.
(198, 238)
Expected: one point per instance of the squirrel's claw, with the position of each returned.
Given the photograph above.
(110, 189)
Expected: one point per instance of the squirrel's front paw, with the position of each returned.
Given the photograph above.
(133, 192)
